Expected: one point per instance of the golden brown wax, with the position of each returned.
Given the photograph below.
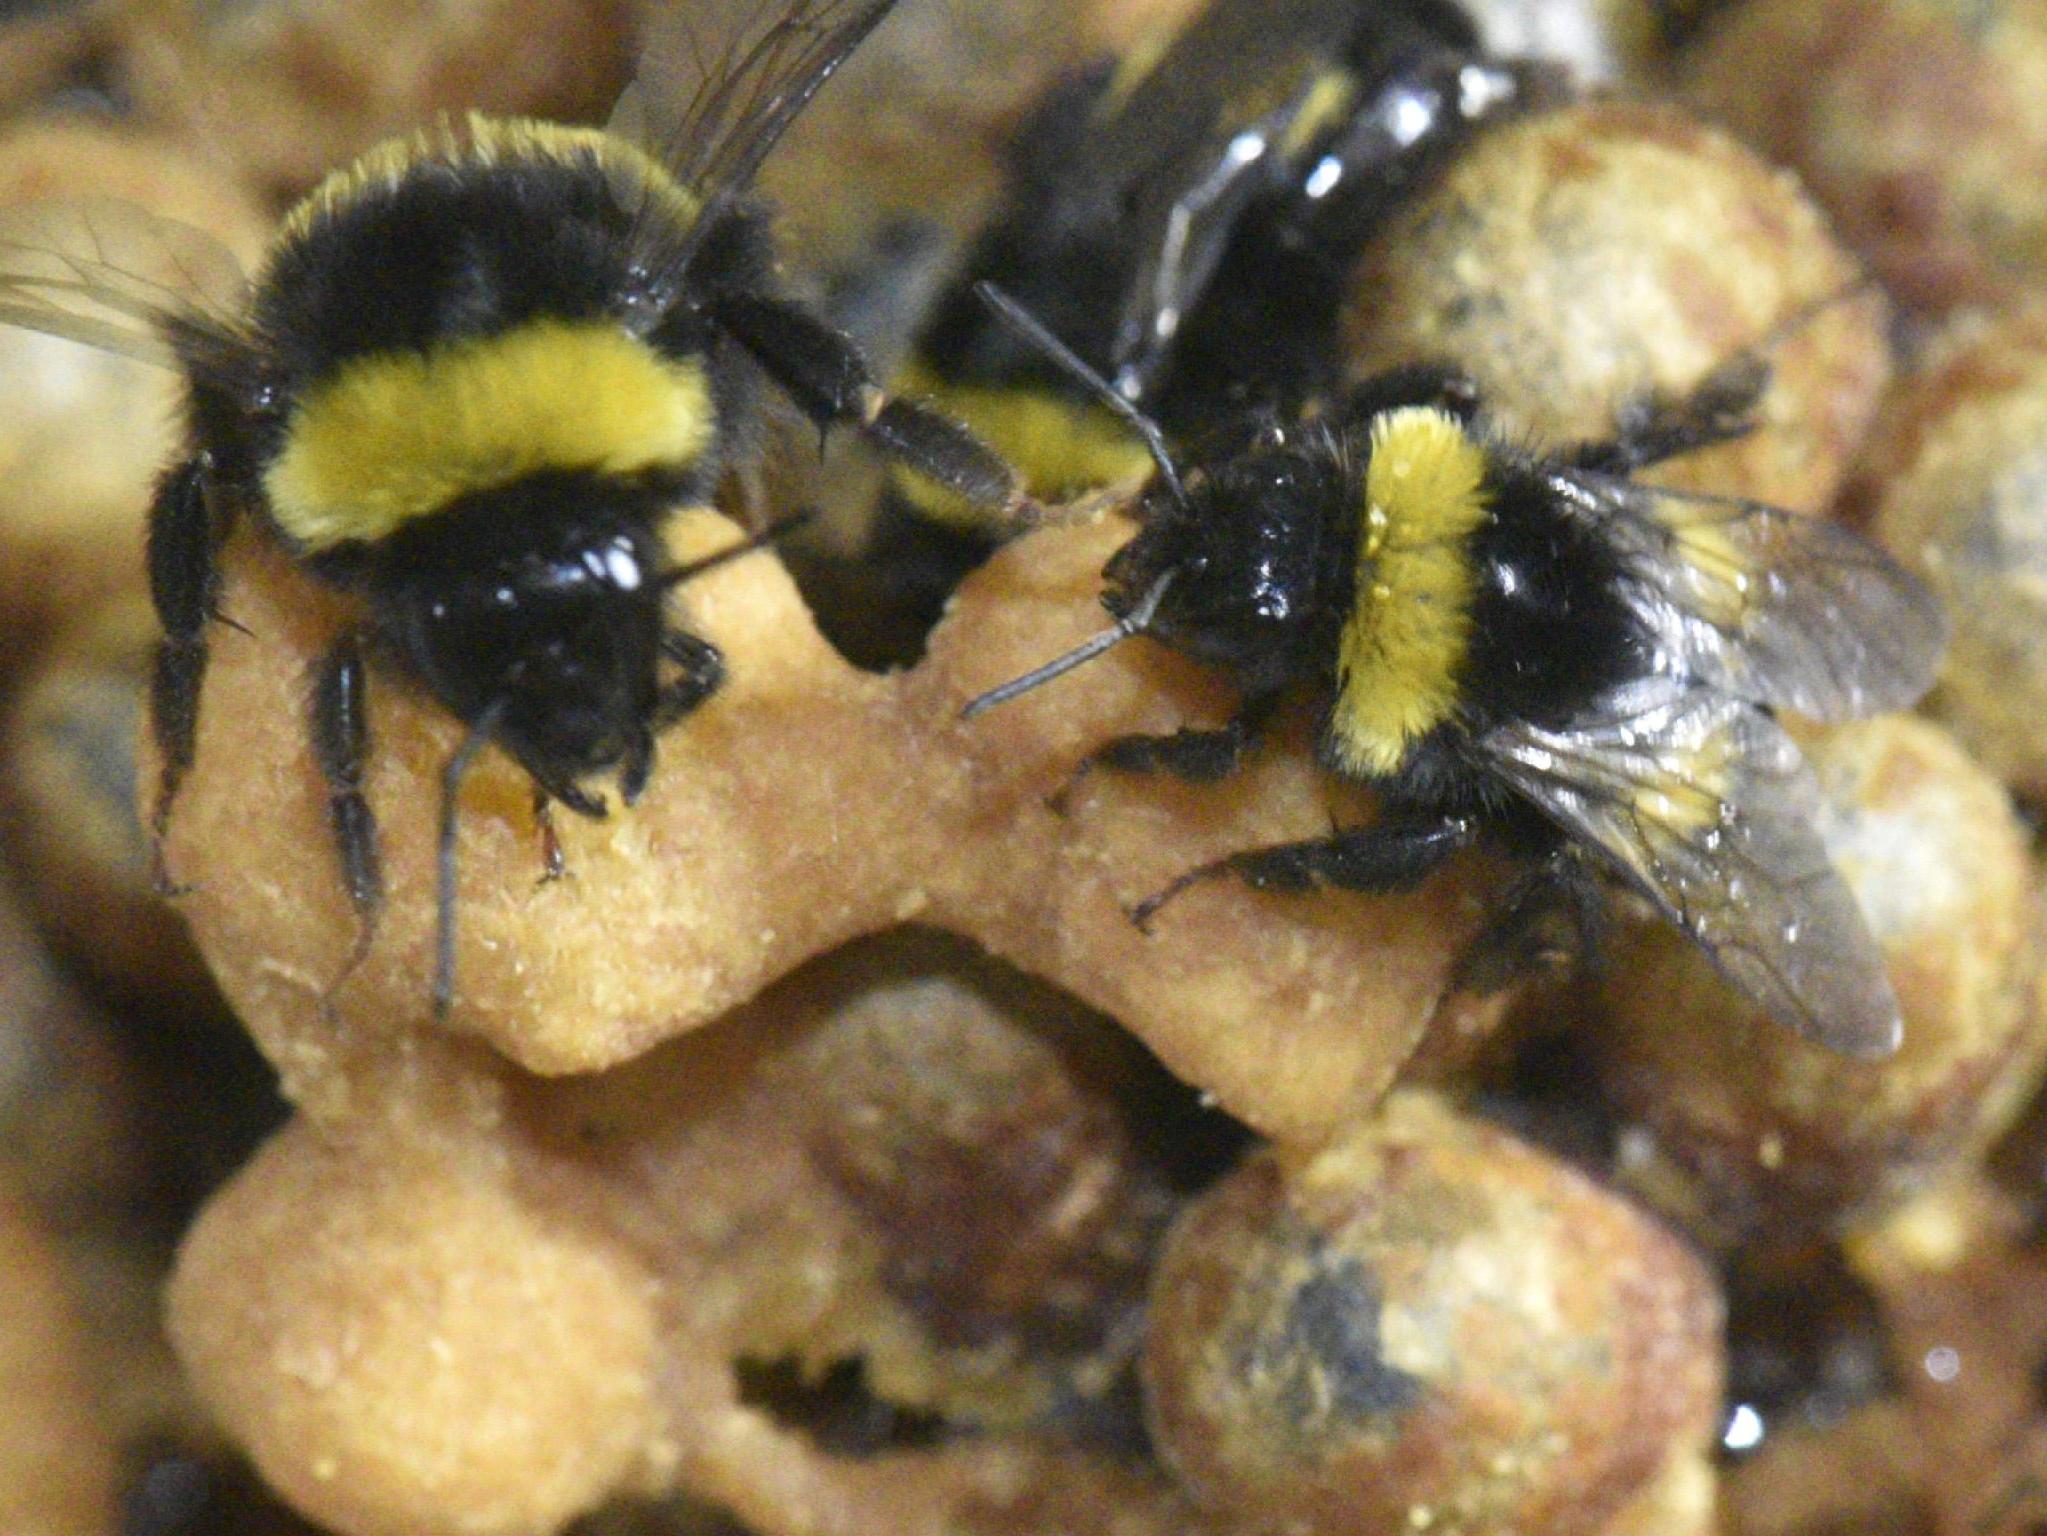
(1590, 258)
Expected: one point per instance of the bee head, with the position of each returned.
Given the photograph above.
(548, 625)
(1224, 568)
(1240, 556)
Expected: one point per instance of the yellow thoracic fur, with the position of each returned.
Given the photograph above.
(391, 437)
(485, 141)
(1404, 642)
(397, 436)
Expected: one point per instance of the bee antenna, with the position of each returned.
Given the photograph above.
(774, 533)
(1134, 622)
(453, 772)
(1032, 330)
(1805, 314)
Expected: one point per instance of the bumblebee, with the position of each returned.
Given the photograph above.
(481, 369)
(1538, 650)
(1184, 221)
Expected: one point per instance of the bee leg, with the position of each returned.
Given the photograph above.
(1395, 853)
(1200, 757)
(184, 582)
(638, 766)
(341, 740)
(569, 793)
(821, 370)
(1431, 384)
(702, 672)
(1722, 407)
(1563, 891)
(553, 866)
(453, 772)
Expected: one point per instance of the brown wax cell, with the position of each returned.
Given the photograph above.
(69, 1097)
(1917, 123)
(962, 77)
(408, 1350)
(1427, 1325)
(663, 1517)
(1471, 1033)
(2018, 1162)
(289, 89)
(1752, 1134)
(1861, 1473)
(869, 1255)
(56, 1455)
(1587, 260)
(41, 47)
(1962, 1281)
(1956, 483)
(86, 432)
(1682, 1500)
(85, 1139)
(70, 743)
(804, 805)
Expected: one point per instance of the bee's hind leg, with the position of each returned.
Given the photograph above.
(184, 583)
(1198, 756)
(1552, 917)
(822, 371)
(341, 740)
(1394, 853)
(1653, 427)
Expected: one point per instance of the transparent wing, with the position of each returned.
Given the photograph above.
(710, 110)
(1769, 605)
(112, 276)
(1702, 804)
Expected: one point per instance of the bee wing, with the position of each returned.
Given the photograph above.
(1193, 141)
(711, 112)
(1236, 61)
(1701, 803)
(1772, 606)
(114, 277)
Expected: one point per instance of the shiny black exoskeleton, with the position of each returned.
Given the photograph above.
(1188, 232)
(1534, 649)
(483, 368)
(1217, 202)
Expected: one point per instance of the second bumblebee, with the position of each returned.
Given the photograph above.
(1537, 650)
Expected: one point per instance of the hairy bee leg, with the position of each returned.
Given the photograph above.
(824, 374)
(702, 672)
(1198, 756)
(947, 454)
(341, 741)
(184, 583)
(1722, 407)
(1393, 854)
(1431, 384)
(1521, 936)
